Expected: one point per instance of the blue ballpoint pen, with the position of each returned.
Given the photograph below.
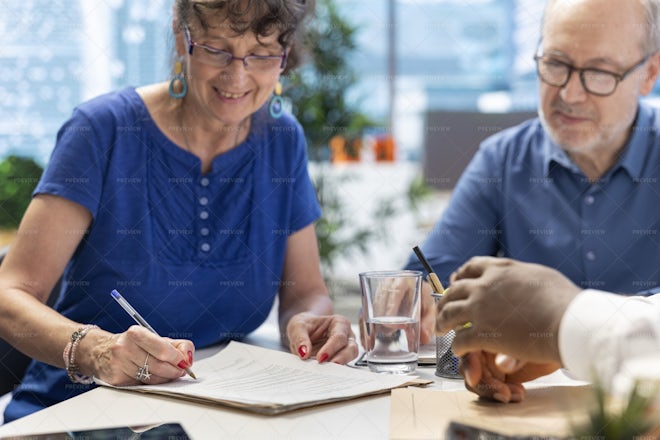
(139, 319)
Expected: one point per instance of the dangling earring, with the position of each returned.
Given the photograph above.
(178, 77)
(276, 107)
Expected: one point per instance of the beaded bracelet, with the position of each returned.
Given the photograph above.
(69, 355)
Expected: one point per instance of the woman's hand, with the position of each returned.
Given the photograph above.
(307, 322)
(329, 338)
(119, 358)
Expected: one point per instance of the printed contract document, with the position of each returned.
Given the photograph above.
(271, 382)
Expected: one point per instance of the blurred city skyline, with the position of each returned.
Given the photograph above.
(467, 55)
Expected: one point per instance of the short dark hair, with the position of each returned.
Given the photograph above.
(262, 17)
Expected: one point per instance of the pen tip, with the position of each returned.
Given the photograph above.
(114, 293)
(191, 374)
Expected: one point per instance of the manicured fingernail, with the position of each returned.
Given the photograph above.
(190, 359)
(323, 358)
(302, 351)
(183, 365)
(515, 397)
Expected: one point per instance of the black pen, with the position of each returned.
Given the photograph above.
(139, 319)
(432, 278)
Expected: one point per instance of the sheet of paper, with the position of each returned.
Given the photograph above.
(547, 411)
(271, 381)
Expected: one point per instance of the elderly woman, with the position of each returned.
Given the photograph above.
(191, 198)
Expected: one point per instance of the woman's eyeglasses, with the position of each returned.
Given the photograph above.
(221, 58)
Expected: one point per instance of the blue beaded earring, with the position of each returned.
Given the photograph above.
(178, 77)
(276, 107)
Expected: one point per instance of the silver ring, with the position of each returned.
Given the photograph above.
(143, 374)
(351, 339)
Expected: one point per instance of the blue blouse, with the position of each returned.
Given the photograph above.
(522, 197)
(200, 256)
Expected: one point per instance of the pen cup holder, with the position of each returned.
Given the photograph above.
(446, 363)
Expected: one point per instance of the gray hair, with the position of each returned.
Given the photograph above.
(651, 20)
(652, 16)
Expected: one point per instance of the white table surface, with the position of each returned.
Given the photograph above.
(363, 418)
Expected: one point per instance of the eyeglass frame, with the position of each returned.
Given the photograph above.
(231, 57)
(618, 77)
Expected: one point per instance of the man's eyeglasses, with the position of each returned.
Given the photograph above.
(221, 58)
(595, 81)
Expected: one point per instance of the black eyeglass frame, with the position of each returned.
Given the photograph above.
(230, 56)
(618, 77)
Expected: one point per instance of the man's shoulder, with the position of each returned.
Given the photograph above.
(649, 115)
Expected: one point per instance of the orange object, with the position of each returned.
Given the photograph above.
(384, 148)
(337, 149)
(343, 151)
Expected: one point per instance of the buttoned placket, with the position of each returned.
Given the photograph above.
(203, 216)
(591, 235)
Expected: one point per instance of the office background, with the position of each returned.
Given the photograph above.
(468, 55)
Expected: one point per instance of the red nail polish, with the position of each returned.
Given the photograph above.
(323, 358)
(302, 351)
(183, 365)
(190, 359)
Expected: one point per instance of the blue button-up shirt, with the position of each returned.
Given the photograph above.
(522, 197)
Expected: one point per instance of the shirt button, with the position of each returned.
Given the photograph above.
(205, 181)
(589, 200)
(204, 215)
(591, 256)
(206, 247)
(204, 231)
(203, 201)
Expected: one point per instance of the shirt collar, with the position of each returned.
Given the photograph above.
(554, 154)
(633, 156)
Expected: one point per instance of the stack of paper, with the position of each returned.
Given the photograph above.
(271, 382)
